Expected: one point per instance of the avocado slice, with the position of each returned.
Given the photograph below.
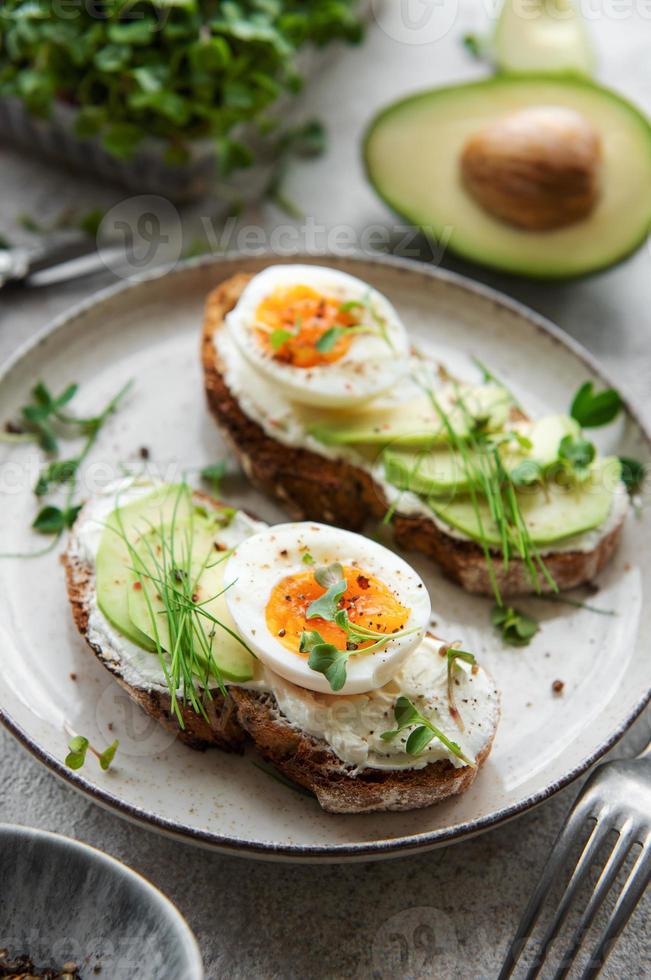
(206, 572)
(549, 37)
(551, 512)
(113, 561)
(546, 435)
(413, 148)
(436, 472)
(416, 424)
(443, 469)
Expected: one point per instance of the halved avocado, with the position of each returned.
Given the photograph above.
(547, 35)
(413, 150)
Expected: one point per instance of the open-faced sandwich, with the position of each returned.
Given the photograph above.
(311, 640)
(311, 377)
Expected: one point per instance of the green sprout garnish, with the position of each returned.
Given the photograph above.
(633, 474)
(195, 70)
(517, 628)
(277, 338)
(214, 474)
(326, 606)
(78, 747)
(592, 409)
(377, 326)
(486, 474)
(329, 338)
(408, 716)
(324, 657)
(576, 454)
(307, 559)
(46, 421)
(106, 757)
(453, 655)
(183, 629)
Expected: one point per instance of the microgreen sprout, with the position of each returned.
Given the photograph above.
(324, 657)
(516, 627)
(453, 655)
(633, 474)
(423, 731)
(592, 409)
(214, 474)
(173, 70)
(79, 746)
(168, 570)
(329, 338)
(576, 454)
(487, 475)
(46, 421)
(279, 337)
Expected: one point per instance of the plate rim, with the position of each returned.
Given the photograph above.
(369, 850)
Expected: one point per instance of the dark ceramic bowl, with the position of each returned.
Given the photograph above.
(62, 901)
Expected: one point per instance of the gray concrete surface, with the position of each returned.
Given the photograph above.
(454, 908)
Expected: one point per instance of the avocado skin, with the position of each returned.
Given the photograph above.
(484, 86)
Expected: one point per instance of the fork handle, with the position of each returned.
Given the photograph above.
(646, 752)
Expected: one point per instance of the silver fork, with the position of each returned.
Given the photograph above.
(617, 796)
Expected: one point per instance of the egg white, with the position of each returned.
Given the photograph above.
(267, 557)
(369, 367)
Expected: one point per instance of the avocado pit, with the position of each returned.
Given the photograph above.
(536, 169)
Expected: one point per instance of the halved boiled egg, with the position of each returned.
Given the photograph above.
(326, 609)
(326, 337)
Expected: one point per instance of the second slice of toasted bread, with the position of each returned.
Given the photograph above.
(315, 487)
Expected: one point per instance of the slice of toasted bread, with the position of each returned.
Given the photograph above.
(220, 728)
(311, 763)
(315, 487)
(304, 759)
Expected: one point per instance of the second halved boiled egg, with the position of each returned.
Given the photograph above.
(326, 337)
(305, 595)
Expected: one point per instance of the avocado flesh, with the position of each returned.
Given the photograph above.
(416, 424)
(550, 38)
(412, 153)
(550, 512)
(113, 559)
(221, 654)
(444, 469)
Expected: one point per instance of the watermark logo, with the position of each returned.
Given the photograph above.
(416, 21)
(141, 235)
(118, 716)
(417, 942)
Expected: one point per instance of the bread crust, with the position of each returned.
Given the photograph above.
(314, 487)
(311, 763)
(221, 727)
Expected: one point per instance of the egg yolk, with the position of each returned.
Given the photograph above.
(368, 601)
(292, 319)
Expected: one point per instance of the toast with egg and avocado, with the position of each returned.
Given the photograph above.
(310, 377)
(310, 640)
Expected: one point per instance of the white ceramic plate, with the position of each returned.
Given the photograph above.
(49, 680)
